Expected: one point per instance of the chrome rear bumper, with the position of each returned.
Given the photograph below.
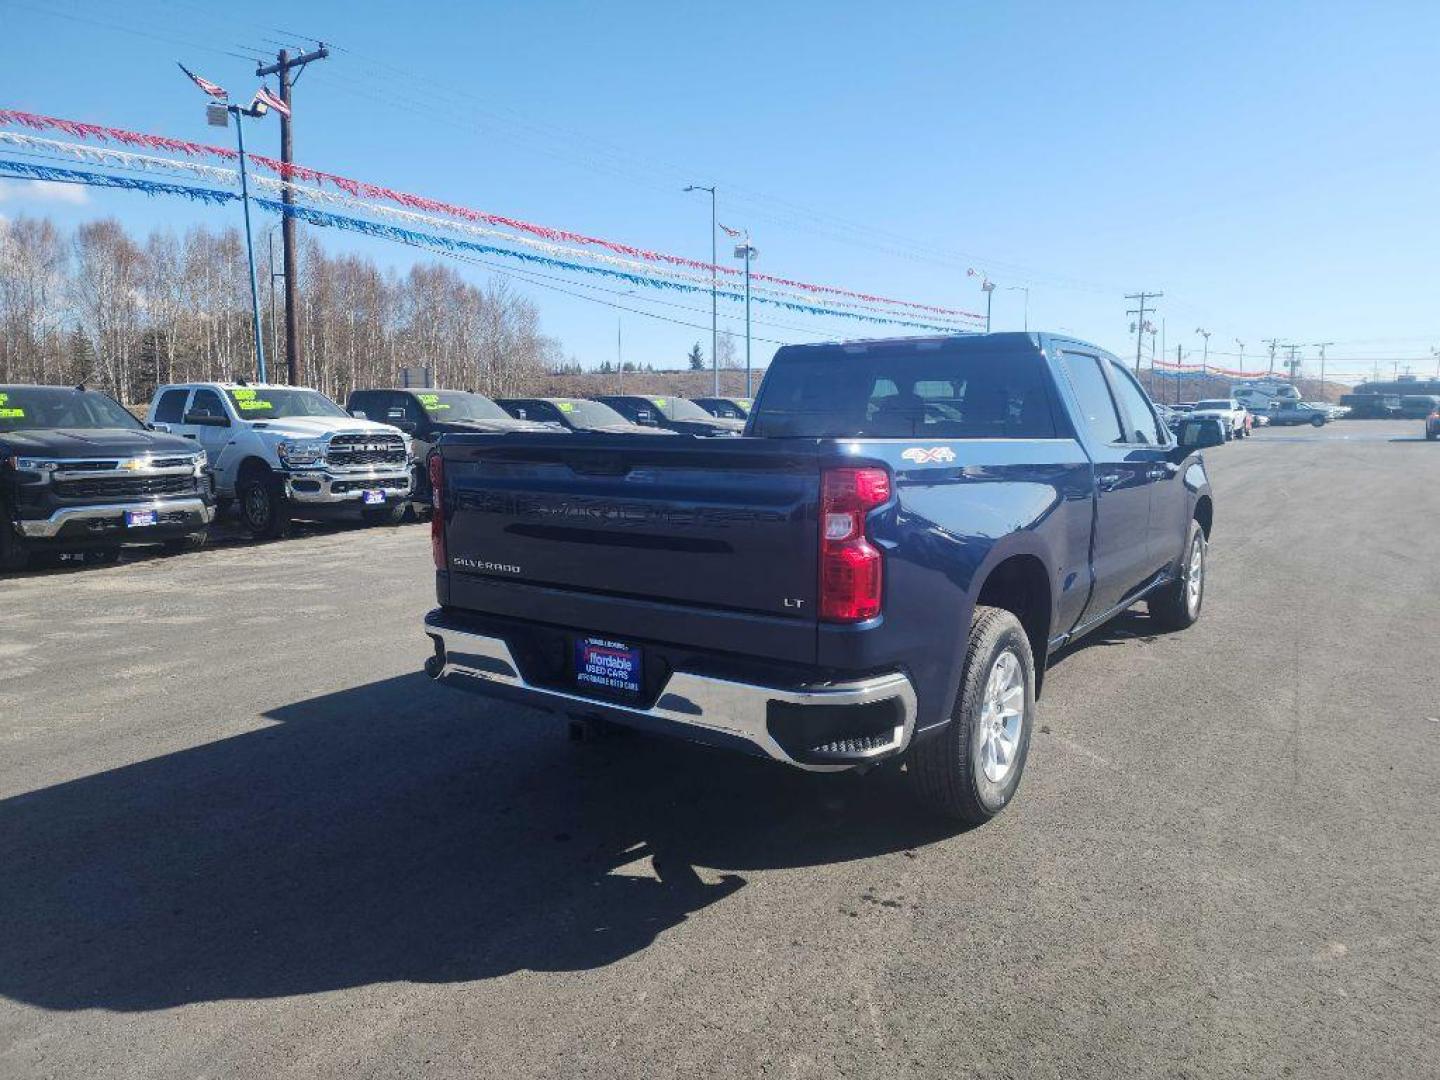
(697, 703)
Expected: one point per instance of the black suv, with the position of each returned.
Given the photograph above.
(727, 408)
(675, 413)
(78, 472)
(426, 414)
(575, 414)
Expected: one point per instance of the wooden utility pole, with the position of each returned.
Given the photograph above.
(1139, 314)
(283, 66)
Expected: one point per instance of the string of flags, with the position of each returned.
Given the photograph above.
(364, 190)
(419, 238)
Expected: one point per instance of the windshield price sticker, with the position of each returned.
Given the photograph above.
(243, 395)
(250, 403)
(432, 402)
(567, 406)
(11, 414)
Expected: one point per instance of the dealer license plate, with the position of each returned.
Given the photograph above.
(607, 665)
(372, 498)
(136, 518)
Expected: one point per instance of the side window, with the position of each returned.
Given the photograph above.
(208, 402)
(1097, 407)
(1137, 407)
(170, 409)
(361, 403)
(543, 410)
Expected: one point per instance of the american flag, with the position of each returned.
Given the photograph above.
(264, 96)
(213, 89)
(729, 231)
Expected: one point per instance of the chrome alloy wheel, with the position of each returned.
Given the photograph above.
(1195, 576)
(1002, 718)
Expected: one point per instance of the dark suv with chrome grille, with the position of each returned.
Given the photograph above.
(79, 473)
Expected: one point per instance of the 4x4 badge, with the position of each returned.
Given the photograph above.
(922, 456)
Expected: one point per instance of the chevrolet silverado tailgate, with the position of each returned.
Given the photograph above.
(709, 527)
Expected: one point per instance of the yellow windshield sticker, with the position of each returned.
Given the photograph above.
(659, 400)
(431, 402)
(243, 395)
(249, 404)
(567, 406)
(11, 414)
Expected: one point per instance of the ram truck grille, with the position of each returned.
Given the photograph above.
(366, 450)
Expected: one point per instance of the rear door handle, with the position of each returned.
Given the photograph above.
(1160, 472)
(1109, 481)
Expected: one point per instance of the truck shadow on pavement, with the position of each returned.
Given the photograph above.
(396, 831)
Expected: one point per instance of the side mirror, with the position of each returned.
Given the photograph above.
(1197, 434)
(205, 419)
(359, 414)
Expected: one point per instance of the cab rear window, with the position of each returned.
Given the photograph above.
(956, 393)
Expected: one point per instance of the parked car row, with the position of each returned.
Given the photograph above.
(80, 474)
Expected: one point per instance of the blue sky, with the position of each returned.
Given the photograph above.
(1270, 167)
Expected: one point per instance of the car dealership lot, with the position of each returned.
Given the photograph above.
(243, 836)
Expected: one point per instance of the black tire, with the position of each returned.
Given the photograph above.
(189, 542)
(1175, 607)
(1317, 421)
(948, 771)
(1431, 436)
(393, 514)
(13, 555)
(264, 510)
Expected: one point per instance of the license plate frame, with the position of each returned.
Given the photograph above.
(609, 667)
(140, 519)
(372, 497)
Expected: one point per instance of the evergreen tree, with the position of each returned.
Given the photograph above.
(696, 358)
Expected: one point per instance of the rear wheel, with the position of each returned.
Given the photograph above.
(1177, 606)
(263, 506)
(970, 771)
(1317, 421)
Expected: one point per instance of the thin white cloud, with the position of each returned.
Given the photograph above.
(44, 191)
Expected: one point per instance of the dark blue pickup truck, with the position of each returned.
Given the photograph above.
(878, 569)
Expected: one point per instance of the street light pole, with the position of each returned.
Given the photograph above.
(1026, 290)
(748, 253)
(714, 286)
(238, 113)
(1205, 355)
(1242, 355)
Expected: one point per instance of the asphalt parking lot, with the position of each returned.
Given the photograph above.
(241, 835)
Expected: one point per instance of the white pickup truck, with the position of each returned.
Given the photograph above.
(283, 452)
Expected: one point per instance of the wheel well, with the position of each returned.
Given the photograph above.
(1205, 514)
(251, 468)
(1021, 585)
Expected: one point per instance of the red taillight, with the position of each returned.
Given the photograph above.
(851, 568)
(436, 468)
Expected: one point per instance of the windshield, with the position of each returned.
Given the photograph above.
(447, 405)
(589, 414)
(276, 402)
(674, 408)
(28, 408)
(1213, 405)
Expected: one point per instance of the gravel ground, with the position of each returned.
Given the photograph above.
(241, 836)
